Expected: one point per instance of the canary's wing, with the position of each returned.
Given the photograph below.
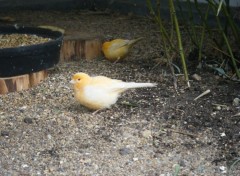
(107, 84)
(118, 43)
(116, 86)
(103, 81)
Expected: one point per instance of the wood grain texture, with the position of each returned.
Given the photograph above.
(21, 82)
(80, 46)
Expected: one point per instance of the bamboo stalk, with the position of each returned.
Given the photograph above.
(166, 42)
(204, 21)
(179, 39)
(226, 41)
(234, 27)
(202, 35)
(158, 20)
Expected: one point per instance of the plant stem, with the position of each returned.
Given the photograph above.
(179, 39)
(226, 41)
(202, 35)
(234, 27)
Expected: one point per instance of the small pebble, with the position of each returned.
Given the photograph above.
(28, 120)
(24, 165)
(49, 136)
(196, 77)
(213, 114)
(182, 163)
(236, 102)
(223, 169)
(223, 134)
(4, 133)
(21, 109)
(217, 108)
(135, 159)
(124, 151)
(146, 133)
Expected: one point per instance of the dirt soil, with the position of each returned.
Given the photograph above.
(149, 131)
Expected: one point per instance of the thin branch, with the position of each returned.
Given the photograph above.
(202, 94)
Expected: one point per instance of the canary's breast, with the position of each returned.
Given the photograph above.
(114, 53)
(96, 97)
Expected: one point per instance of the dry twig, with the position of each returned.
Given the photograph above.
(202, 94)
(183, 133)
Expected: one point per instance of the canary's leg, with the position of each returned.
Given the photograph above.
(117, 60)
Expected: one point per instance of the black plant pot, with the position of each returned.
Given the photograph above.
(32, 58)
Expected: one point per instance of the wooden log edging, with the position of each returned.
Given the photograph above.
(21, 82)
(80, 46)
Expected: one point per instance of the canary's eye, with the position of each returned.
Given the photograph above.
(79, 79)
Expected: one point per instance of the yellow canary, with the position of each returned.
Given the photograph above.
(100, 92)
(117, 49)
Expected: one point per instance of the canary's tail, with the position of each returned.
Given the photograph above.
(132, 42)
(138, 85)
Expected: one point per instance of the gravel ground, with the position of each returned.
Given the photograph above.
(148, 132)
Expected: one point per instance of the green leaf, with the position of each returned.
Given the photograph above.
(220, 71)
(219, 7)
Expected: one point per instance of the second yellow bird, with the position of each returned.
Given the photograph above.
(100, 92)
(117, 49)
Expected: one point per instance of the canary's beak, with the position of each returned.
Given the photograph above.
(72, 82)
